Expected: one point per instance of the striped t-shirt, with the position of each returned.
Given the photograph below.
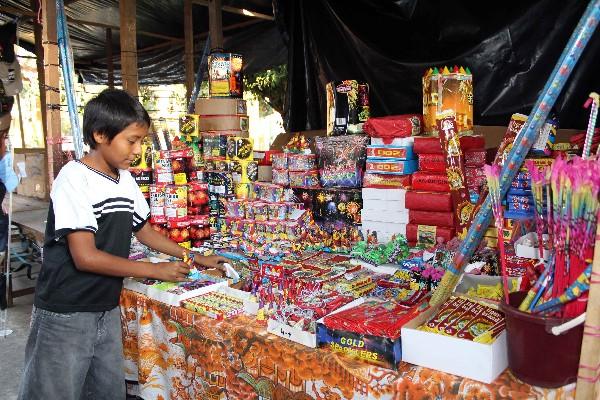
(83, 198)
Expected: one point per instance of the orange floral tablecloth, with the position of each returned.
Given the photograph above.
(177, 354)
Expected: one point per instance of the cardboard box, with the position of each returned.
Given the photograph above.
(384, 230)
(170, 298)
(525, 251)
(217, 106)
(387, 166)
(382, 207)
(385, 215)
(265, 173)
(482, 362)
(393, 152)
(396, 195)
(224, 123)
(381, 351)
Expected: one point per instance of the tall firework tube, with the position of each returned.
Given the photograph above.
(563, 69)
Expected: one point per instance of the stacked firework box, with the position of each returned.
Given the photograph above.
(177, 196)
(390, 163)
(429, 201)
(223, 127)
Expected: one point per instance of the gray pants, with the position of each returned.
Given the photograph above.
(74, 356)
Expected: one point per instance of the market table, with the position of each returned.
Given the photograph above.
(174, 353)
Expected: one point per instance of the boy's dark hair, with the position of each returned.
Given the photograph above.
(109, 113)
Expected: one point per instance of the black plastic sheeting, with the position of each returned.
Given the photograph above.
(260, 43)
(510, 46)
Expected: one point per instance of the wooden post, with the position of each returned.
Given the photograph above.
(51, 90)
(129, 72)
(215, 24)
(39, 61)
(109, 59)
(589, 360)
(188, 28)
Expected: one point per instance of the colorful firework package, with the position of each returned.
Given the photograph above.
(338, 204)
(464, 318)
(455, 171)
(341, 160)
(347, 107)
(431, 145)
(428, 201)
(375, 317)
(386, 181)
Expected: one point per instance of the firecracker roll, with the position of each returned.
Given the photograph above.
(428, 201)
(430, 182)
(435, 218)
(455, 170)
(434, 162)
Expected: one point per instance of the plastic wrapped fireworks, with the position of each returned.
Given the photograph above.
(341, 160)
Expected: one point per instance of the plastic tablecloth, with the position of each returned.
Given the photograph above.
(174, 353)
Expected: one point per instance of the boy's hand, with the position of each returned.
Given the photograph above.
(175, 271)
(211, 261)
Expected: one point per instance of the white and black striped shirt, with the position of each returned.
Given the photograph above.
(83, 198)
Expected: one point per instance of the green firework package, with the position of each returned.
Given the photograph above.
(347, 107)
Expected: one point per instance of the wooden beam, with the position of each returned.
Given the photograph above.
(109, 59)
(17, 11)
(240, 11)
(129, 72)
(215, 24)
(188, 28)
(200, 35)
(51, 89)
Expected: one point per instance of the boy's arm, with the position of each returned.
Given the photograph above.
(88, 258)
(158, 242)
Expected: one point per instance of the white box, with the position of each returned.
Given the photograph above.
(407, 141)
(482, 362)
(294, 334)
(385, 215)
(525, 251)
(298, 335)
(396, 195)
(378, 226)
(171, 299)
(250, 305)
(384, 205)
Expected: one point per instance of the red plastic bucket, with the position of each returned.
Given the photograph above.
(535, 355)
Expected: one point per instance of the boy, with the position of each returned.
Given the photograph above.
(74, 350)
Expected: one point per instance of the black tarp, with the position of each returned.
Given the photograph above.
(510, 46)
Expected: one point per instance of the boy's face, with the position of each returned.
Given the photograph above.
(123, 148)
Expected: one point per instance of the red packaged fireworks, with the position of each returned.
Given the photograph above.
(431, 218)
(430, 182)
(427, 234)
(434, 162)
(455, 169)
(394, 126)
(428, 201)
(375, 317)
(432, 144)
